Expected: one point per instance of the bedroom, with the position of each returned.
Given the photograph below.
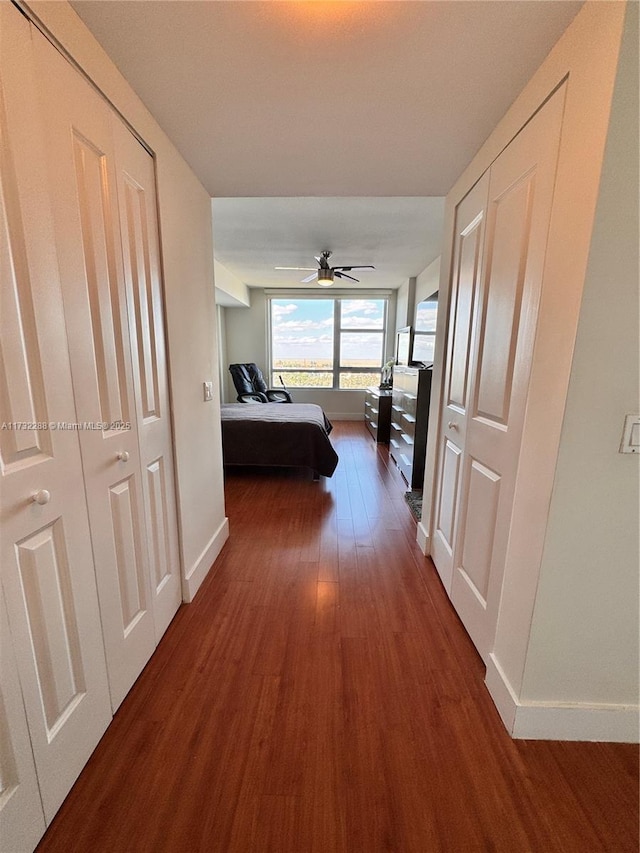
(329, 343)
(595, 676)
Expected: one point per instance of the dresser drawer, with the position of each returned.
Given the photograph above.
(377, 413)
(372, 427)
(409, 422)
(405, 464)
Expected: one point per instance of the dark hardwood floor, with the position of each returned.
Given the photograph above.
(321, 695)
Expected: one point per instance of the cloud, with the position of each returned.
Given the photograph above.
(300, 325)
(293, 339)
(362, 305)
(362, 322)
(426, 316)
(361, 340)
(282, 310)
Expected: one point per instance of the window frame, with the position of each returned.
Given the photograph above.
(337, 298)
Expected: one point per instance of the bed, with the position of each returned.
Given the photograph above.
(278, 435)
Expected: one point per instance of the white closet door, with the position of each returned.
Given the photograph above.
(83, 183)
(21, 816)
(140, 249)
(46, 559)
(518, 217)
(465, 284)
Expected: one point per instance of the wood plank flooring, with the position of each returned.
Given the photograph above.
(321, 695)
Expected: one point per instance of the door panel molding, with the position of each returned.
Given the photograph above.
(481, 487)
(48, 600)
(21, 815)
(502, 299)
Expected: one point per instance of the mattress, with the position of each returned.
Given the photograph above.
(278, 435)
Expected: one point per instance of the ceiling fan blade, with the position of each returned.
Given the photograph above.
(309, 278)
(348, 269)
(295, 268)
(344, 275)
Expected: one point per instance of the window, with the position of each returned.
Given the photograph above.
(424, 341)
(327, 343)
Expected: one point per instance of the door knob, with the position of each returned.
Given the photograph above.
(452, 425)
(42, 497)
(123, 456)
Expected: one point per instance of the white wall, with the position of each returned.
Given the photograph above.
(428, 281)
(405, 296)
(187, 255)
(584, 637)
(230, 291)
(246, 335)
(223, 373)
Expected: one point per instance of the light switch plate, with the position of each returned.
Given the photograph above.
(631, 434)
(208, 391)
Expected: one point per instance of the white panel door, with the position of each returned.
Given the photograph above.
(83, 184)
(504, 323)
(140, 249)
(465, 284)
(46, 558)
(21, 816)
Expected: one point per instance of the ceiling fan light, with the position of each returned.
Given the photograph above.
(325, 277)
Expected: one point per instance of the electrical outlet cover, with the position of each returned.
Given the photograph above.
(631, 435)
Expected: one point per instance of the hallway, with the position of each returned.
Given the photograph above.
(321, 695)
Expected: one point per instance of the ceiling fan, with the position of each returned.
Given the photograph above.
(325, 273)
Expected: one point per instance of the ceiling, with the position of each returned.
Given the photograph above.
(360, 105)
(399, 236)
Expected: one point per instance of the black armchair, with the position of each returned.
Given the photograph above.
(252, 388)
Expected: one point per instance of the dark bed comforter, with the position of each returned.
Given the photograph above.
(277, 434)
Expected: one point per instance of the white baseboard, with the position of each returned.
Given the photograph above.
(502, 694)
(200, 569)
(422, 538)
(549, 721)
